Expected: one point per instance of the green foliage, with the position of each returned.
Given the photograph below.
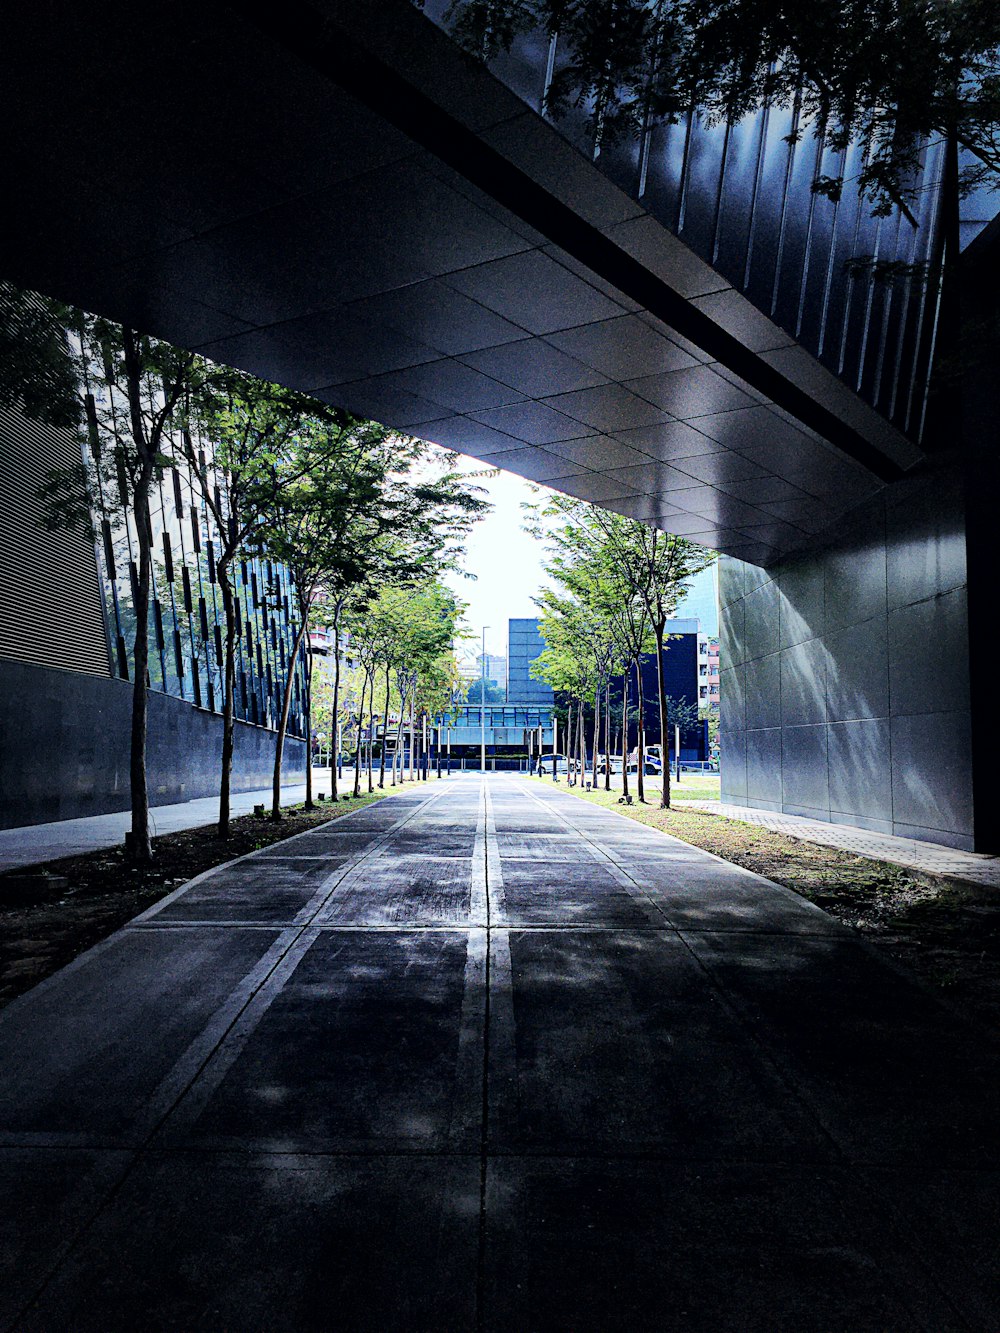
(624, 576)
(888, 75)
(683, 713)
(491, 694)
(485, 28)
(711, 716)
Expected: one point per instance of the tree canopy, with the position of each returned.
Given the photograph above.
(617, 583)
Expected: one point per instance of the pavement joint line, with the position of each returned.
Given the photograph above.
(845, 1164)
(464, 1124)
(768, 1057)
(484, 1108)
(620, 875)
(192, 1063)
(501, 1052)
(679, 847)
(304, 935)
(898, 1244)
(180, 1117)
(982, 1028)
(257, 854)
(520, 927)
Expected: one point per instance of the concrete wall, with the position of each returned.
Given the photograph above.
(64, 747)
(845, 682)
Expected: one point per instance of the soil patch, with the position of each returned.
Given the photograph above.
(946, 931)
(50, 913)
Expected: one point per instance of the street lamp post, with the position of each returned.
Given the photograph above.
(482, 706)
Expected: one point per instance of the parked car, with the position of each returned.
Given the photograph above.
(651, 765)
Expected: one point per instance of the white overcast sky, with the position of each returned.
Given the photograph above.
(506, 562)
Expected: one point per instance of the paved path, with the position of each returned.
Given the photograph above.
(929, 857)
(33, 844)
(484, 1056)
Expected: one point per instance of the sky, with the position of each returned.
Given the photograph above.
(507, 564)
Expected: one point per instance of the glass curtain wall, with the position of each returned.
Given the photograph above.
(186, 630)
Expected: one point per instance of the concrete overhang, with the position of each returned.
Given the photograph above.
(334, 197)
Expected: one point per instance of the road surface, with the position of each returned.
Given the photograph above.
(485, 1056)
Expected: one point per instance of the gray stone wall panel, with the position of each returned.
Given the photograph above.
(870, 720)
(763, 692)
(65, 748)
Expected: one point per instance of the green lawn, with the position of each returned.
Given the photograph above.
(692, 786)
(695, 787)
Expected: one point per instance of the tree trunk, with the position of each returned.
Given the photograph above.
(141, 844)
(307, 709)
(412, 736)
(569, 743)
(335, 718)
(369, 748)
(279, 742)
(625, 733)
(640, 749)
(385, 735)
(608, 747)
(229, 691)
(357, 740)
(397, 758)
(596, 737)
(581, 744)
(661, 689)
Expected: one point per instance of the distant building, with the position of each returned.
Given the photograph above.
(708, 671)
(493, 667)
(524, 644)
(681, 663)
(513, 730)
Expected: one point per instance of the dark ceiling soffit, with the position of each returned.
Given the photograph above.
(332, 51)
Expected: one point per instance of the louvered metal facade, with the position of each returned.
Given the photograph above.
(739, 195)
(51, 611)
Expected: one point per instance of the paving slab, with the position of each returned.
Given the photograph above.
(628, 1244)
(235, 1242)
(486, 1057)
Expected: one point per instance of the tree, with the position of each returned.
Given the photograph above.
(659, 567)
(326, 528)
(571, 662)
(711, 716)
(128, 431)
(418, 624)
(412, 529)
(250, 428)
(630, 577)
(485, 691)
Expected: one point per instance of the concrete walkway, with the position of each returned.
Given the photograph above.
(36, 843)
(929, 857)
(485, 1056)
